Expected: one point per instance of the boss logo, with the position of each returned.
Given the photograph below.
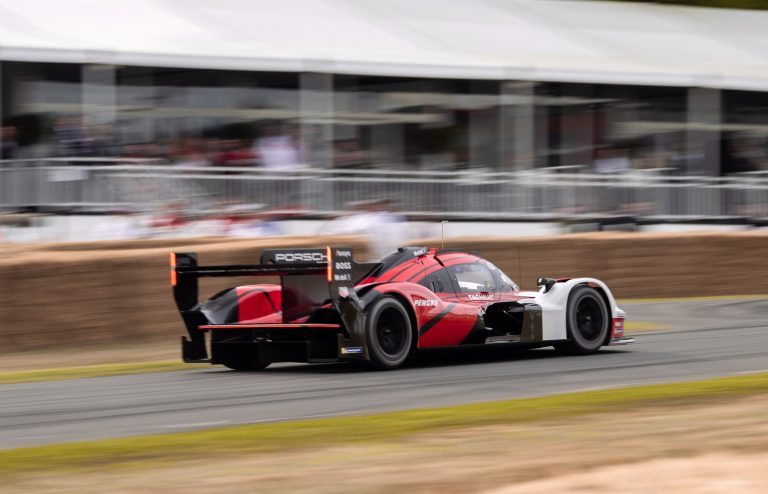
(343, 265)
(300, 257)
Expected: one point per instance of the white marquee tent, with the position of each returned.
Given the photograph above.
(555, 40)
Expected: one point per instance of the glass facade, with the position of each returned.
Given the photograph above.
(290, 120)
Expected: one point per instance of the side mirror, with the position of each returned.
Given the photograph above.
(547, 283)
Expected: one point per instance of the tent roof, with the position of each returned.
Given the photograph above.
(555, 40)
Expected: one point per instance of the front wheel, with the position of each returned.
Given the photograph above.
(388, 333)
(587, 321)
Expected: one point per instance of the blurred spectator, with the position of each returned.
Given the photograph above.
(8, 143)
(190, 153)
(234, 152)
(70, 139)
(386, 229)
(277, 150)
(102, 140)
(610, 160)
(347, 154)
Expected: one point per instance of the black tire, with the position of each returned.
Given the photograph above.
(388, 333)
(587, 321)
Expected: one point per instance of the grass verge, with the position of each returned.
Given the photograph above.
(155, 450)
(100, 370)
(631, 326)
(705, 298)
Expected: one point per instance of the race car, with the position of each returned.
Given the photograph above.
(330, 308)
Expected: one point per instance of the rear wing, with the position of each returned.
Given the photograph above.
(185, 273)
(309, 278)
(306, 275)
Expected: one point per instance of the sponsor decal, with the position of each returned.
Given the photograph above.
(618, 327)
(341, 263)
(425, 303)
(419, 252)
(300, 257)
(480, 296)
(351, 349)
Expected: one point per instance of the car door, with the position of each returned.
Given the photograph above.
(451, 319)
(440, 283)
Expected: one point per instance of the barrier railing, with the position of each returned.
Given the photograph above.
(108, 184)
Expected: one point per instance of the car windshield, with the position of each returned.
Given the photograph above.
(474, 277)
(511, 285)
(507, 285)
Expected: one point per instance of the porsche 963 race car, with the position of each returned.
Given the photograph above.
(328, 308)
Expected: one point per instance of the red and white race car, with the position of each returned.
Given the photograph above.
(328, 307)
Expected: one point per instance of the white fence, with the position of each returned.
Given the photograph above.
(110, 184)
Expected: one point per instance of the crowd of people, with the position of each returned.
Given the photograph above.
(281, 146)
(271, 146)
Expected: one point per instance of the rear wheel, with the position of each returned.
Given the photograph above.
(587, 320)
(388, 333)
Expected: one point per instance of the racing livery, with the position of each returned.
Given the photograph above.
(328, 307)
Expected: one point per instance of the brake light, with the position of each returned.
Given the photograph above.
(173, 269)
(329, 269)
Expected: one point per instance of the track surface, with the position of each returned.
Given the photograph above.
(704, 339)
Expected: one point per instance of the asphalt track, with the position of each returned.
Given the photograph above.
(703, 339)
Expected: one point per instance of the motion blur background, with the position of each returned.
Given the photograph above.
(146, 118)
(130, 128)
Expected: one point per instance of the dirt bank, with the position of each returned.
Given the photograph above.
(704, 474)
(115, 292)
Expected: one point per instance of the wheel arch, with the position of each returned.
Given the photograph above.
(408, 308)
(555, 303)
(601, 288)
